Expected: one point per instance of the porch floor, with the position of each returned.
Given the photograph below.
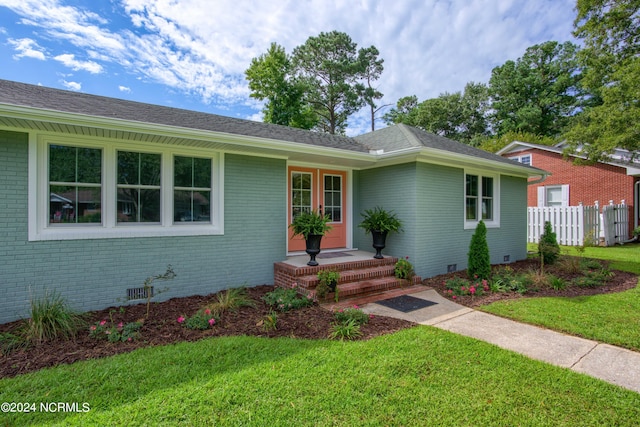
(329, 257)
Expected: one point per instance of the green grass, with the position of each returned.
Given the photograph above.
(609, 318)
(419, 376)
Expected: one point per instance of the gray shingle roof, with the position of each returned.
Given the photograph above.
(402, 136)
(27, 95)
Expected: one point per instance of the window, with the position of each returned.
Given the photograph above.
(95, 189)
(524, 159)
(192, 189)
(481, 200)
(75, 185)
(300, 193)
(138, 187)
(553, 195)
(333, 197)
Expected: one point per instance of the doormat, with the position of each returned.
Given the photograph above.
(406, 303)
(333, 255)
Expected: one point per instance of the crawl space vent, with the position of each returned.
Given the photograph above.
(139, 293)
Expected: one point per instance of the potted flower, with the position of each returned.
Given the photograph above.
(379, 223)
(312, 226)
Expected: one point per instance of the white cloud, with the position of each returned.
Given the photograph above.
(70, 61)
(124, 89)
(27, 48)
(72, 85)
(202, 47)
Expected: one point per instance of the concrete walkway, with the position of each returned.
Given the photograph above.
(606, 362)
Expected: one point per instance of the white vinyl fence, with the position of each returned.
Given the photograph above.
(580, 225)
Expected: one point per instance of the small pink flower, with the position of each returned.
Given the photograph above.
(454, 297)
(120, 325)
(108, 332)
(207, 312)
(463, 288)
(472, 290)
(212, 321)
(103, 322)
(129, 339)
(93, 327)
(371, 316)
(294, 285)
(180, 319)
(356, 307)
(407, 258)
(484, 282)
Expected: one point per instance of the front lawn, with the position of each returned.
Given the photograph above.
(419, 376)
(613, 318)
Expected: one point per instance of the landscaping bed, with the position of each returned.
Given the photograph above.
(162, 328)
(566, 270)
(167, 320)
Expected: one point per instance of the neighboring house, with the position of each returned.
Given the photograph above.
(100, 193)
(571, 184)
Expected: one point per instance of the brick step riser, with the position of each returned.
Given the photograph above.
(310, 282)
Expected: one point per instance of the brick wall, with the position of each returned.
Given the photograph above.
(587, 183)
(94, 274)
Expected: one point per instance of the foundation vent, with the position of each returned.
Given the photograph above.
(452, 267)
(139, 293)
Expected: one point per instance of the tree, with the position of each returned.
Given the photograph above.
(537, 93)
(270, 77)
(406, 107)
(459, 116)
(332, 70)
(611, 32)
(495, 143)
(372, 68)
(479, 260)
(320, 85)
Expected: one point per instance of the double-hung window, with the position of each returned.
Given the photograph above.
(481, 199)
(104, 189)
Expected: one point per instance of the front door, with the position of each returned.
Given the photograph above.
(323, 190)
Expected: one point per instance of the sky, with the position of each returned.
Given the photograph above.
(192, 54)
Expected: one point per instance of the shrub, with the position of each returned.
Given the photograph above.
(557, 283)
(10, 342)
(203, 319)
(461, 287)
(506, 280)
(51, 318)
(329, 278)
(548, 247)
(345, 331)
(404, 269)
(115, 333)
(230, 300)
(286, 299)
(352, 313)
(479, 264)
(269, 322)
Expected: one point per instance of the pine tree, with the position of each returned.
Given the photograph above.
(548, 247)
(479, 260)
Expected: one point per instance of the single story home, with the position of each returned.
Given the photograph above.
(571, 184)
(101, 193)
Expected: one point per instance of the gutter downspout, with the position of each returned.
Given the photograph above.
(543, 178)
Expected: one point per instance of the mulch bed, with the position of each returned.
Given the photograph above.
(161, 327)
(621, 281)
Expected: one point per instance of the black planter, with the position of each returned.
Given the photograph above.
(379, 239)
(313, 248)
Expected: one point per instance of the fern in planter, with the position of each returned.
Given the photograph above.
(379, 219)
(307, 223)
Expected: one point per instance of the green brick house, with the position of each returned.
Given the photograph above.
(100, 193)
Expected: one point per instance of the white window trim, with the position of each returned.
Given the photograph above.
(40, 229)
(472, 224)
(519, 159)
(542, 194)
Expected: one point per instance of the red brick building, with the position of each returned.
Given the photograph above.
(569, 184)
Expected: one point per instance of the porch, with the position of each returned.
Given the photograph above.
(363, 279)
